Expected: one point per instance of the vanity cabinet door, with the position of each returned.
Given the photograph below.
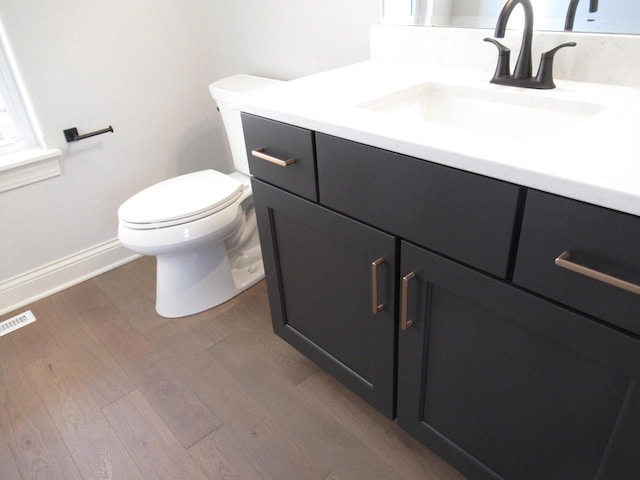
(322, 287)
(505, 385)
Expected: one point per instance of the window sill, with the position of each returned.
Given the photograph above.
(28, 166)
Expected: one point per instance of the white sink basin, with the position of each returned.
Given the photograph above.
(502, 111)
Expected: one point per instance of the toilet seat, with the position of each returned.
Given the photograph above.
(179, 200)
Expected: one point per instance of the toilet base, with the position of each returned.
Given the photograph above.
(193, 281)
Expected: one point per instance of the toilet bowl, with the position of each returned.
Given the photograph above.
(201, 226)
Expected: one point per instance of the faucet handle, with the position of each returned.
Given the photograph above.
(553, 51)
(544, 78)
(504, 59)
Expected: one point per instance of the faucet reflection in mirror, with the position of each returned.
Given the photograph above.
(605, 16)
(522, 74)
(571, 13)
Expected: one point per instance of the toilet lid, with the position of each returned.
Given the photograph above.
(180, 199)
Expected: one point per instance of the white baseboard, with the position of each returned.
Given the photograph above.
(64, 273)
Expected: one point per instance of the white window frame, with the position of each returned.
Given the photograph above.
(26, 160)
(13, 103)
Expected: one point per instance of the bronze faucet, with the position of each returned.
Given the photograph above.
(522, 74)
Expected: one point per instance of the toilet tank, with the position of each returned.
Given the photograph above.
(226, 93)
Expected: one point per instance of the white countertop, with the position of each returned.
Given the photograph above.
(595, 159)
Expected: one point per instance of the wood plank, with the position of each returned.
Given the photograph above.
(256, 302)
(246, 417)
(221, 456)
(289, 363)
(175, 335)
(331, 445)
(34, 340)
(96, 449)
(102, 375)
(180, 409)
(130, 300)
(124, 343)
(57, 313)
(193, 333)
(38, 448)
(202, 330)
(8, 467)
(142, 273)
(406, 454)
(156, 451)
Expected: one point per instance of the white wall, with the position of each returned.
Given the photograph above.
(144, 67)
(286, 39)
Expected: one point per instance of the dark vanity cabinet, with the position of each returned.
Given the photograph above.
(506, 385)
(429, 292)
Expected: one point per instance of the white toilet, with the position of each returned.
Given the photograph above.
(201, 226)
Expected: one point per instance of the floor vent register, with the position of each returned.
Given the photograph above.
(16, 322)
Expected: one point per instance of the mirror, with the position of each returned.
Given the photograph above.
(612, 16)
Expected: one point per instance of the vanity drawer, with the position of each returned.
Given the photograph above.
(463, 216)
(287, 155)
(597, 241)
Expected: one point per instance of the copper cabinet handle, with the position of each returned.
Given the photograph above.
(376, 307)
(404, 321)
(259, 153)
(564, 261)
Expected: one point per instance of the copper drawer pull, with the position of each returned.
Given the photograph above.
(404, 321)
(376, 307)
(258, 153)
(564, 261)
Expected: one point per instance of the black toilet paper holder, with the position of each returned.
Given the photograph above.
(72, 135)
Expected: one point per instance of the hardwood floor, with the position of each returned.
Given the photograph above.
(100, 386)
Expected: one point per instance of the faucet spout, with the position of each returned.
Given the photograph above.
(523, 65)
(571, 13)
